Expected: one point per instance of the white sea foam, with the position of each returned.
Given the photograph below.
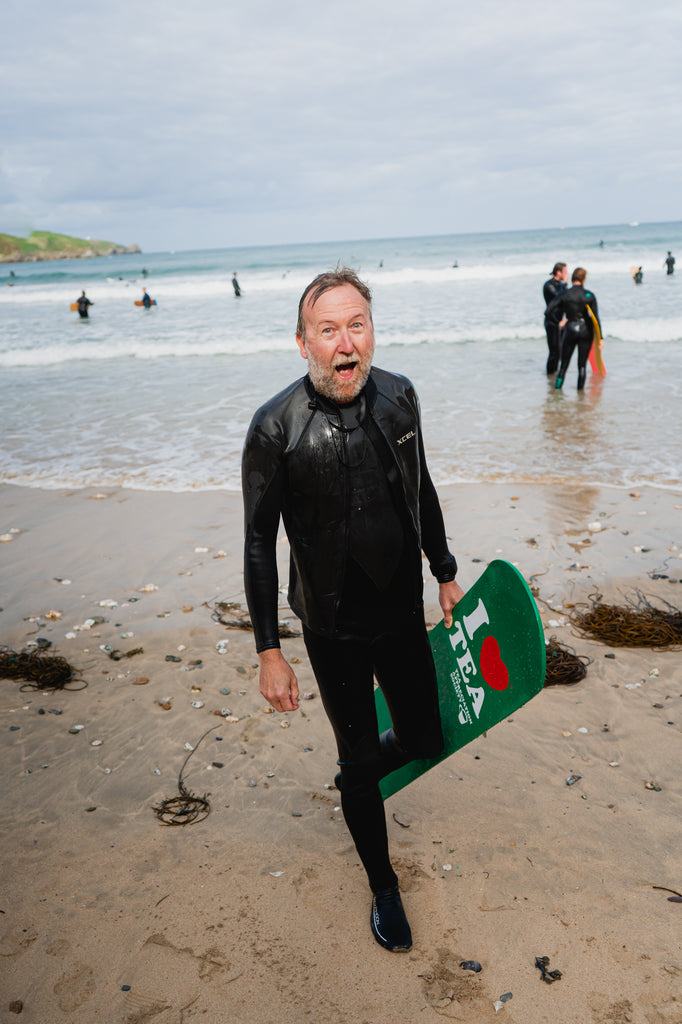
(162, 399)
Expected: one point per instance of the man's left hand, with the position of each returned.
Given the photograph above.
(448, 596)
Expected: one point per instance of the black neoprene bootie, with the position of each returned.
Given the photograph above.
(389, 924)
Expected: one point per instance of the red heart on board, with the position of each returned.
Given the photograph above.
(493, 669)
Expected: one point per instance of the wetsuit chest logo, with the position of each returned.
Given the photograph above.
(406, 437)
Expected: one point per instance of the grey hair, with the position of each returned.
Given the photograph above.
(324, 283)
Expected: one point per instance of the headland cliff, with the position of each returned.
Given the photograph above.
(47, 245)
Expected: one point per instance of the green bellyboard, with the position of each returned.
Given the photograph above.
(489, 663)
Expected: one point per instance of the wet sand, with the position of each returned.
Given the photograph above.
(260, 913)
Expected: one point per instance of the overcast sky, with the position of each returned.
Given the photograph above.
(212, 123)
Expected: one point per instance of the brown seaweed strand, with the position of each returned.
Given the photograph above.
(39, 670)
(635, 624)
(187, 807)
(563, 665)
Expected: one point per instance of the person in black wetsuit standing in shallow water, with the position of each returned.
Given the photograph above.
(83, 302)
(552, 289)
(339, 455)
(578, 331)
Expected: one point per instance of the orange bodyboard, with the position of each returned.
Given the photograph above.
(595, 357)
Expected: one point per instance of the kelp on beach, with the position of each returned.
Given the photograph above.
(635, 624)
(187, 807)
(563, 664)
(239, 619)
(39, 670)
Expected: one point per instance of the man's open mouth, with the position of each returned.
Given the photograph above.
(345, 370)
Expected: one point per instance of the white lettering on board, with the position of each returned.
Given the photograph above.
(457, 637)
(463, 715)
(465, 662)
(476, 693)
(479, 617)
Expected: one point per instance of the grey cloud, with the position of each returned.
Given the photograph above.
(183, 126)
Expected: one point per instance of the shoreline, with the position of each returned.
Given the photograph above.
(573, 484)
(261, 911)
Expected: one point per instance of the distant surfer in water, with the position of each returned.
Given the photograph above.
(638, 276)
(552, 289)
(147, 301)
(83, 303)
(578, 331)
(669, 262)
(235, 285)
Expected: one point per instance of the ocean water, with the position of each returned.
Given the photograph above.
(162, 399)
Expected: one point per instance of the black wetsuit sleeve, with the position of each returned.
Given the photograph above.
(434, 542)
(555, 310)
(262, 505)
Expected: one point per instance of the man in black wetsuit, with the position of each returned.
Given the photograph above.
(578, 330)
(551, 289)
(235, 285)
(669, 262)
(339, 455)
(83, 303)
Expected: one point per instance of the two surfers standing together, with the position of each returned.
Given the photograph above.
(570, 318)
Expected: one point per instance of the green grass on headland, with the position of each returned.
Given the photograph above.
(48, 245)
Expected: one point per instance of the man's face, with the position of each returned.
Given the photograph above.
(564, 275)
(339, 343)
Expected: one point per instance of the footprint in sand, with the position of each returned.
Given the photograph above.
(163, 976)
(305, 877)
(450, 991)
(411, 875)
(15, 943)
(75, 988)
(60, 947)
